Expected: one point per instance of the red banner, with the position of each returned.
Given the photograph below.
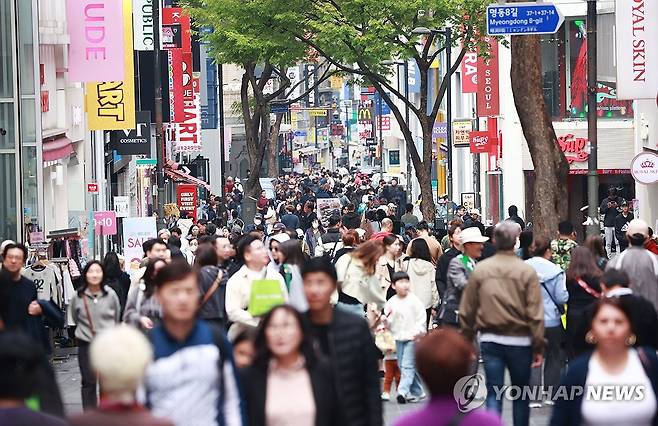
(189, 129)
(176, 65)
(176, 29)
(480, 142)
(187, 199)
(488, 94)
(470, 73)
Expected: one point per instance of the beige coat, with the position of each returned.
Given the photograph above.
(422, 275)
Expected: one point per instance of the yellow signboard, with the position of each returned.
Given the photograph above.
(460, 132)
(111, 105)
(336, 82)
(318, 112)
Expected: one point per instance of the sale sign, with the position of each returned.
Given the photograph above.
(105, 223)
(187, 200)
(136, 231)
(488, 94)
(96, 40)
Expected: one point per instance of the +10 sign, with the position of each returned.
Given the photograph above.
(523, 19)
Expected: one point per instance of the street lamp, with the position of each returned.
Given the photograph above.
(447, 34)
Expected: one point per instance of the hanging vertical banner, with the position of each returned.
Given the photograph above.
(488, 94)
(188, 138)
(143, 24)
(176, 29)
(111, 104)
(470, 73)
(637, 48)
(187, 199)
(176, 66)
(96, 49)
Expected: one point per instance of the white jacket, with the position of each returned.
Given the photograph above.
(355, 282)
(422, 275)
(238, 293)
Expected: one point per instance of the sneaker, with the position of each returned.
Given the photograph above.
(386, 396)
(401, 399)
(418, 398)
(549, 402)
(535, 405)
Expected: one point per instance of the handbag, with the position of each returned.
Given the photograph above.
(384, 340)
(560, 308)
(213, 288)
(265, 294)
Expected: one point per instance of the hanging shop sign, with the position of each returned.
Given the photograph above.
(122, 206)
(470, 73)
(143, 24)
(644, 168)
(136, 231)
(96, 48)
(575, 149)
(488, 92)
(636, 40)
(460, 133)
(186, 196)
(111, 104)
(105, 223)
(480, 142)
(134, 141)
(177, 68)
(176, 29)
(92, 188)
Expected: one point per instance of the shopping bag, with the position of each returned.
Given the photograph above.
(265, 294)
(384, 341)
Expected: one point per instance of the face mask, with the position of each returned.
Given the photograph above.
(316, 225)
(257, 222)
(193, 249)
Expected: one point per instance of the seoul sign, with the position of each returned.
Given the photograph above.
(523, 19)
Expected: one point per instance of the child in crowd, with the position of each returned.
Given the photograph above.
(405, 316)
(243, 348)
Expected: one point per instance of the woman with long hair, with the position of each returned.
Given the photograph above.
(422, 275)
(286, 359)
(616, 364)
(116, 278)
(525, 241)
(595, 244)
(389, 263)
(142, 307)
(291, 259)
(584, 288)
(357, 281)
(212, 286)
(94, 307)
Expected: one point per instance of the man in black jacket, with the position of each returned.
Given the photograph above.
(351, 219)
(346, 340)
(615, 283)
(610, 209)
(621, 226)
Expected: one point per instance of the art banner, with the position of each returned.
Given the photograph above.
(96, 49)
(188, 138)
(136, 230)
(111, 104)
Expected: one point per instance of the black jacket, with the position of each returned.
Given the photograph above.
(254, 385)
(354, 359)
(351, 220)
(442, 270)
(620, 225)
(610, 213)
(568, 411)
(517, 219)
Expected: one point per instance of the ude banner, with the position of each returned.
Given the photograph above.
(96, 50)
(111, 104)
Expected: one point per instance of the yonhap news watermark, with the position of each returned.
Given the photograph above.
(470, 392)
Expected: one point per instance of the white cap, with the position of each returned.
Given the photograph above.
(475, 211)
(472, 235)
(637, 226)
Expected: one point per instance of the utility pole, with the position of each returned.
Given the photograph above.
(347, 115)
(448, 41)
(222, 142)
(159, 140)
(592, 178)
(381, 137)
(406, 120)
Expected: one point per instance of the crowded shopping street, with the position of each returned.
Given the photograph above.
(328, 213)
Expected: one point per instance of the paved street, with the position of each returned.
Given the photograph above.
(68, 378)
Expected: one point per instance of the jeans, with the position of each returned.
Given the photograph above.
(409, 380)
(88, 377)
(609, 237)
(517, 359)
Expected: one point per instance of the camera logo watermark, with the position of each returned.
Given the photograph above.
(470, 392)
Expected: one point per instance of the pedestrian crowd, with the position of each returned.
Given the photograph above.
(308, 316)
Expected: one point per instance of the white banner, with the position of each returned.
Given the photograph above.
(143, 24)
(136, 230)
(637, 48)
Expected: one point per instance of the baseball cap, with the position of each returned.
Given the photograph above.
(637, 226)
(279, 226)
(281, 238)
(624, 203)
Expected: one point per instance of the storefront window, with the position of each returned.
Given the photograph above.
(6, 49)
(8, 197)
(564, 69)
(30, 191)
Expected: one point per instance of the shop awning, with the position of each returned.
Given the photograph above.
(57, 149)
(180, 176)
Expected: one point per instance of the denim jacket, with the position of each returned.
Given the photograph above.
(553, 278)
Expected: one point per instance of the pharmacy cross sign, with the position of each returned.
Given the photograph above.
(523, 19)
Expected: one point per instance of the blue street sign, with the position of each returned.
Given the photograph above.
(279, 108)
(300, 133)
(523, 18)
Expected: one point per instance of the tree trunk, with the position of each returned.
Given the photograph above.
(551, 167)
(272, 160)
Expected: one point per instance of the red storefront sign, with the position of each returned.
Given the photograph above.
(481, 142)
(470, 73)
(574, 149)
(176, 29)
(488, 93)
(186, 195)
(92, 188)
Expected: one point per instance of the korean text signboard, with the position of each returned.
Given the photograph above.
(460, 133)
(96, 50)
(523, 18)
(187, 200)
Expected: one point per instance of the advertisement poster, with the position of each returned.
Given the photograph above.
(122, 206)
(96, 50)
(328, 207)
(111, 104)
(186, 196)
(135, 141)
(468, 200)
(136, 230)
